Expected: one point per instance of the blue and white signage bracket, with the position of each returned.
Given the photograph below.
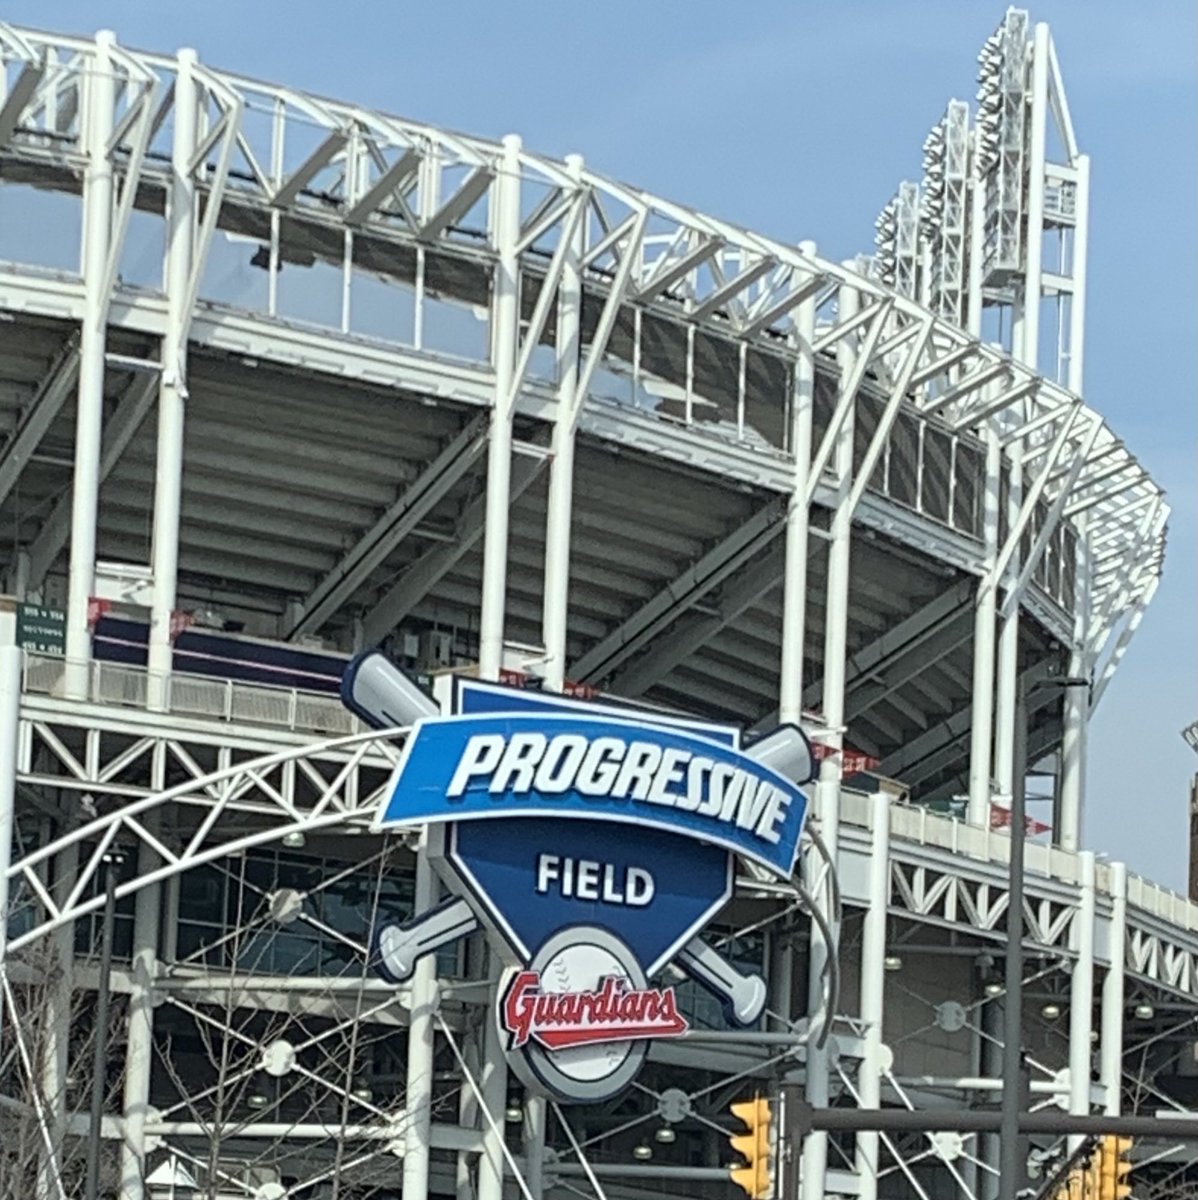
(593, 843)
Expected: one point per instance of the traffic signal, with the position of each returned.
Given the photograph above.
(753, 1178)
(1114, 1168)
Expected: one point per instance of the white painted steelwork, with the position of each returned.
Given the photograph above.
(722, 473)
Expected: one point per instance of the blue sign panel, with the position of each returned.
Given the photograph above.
(597, 768)
(539, 876)
(594, 842)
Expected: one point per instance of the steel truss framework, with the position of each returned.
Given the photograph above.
(763, 365)
(908, 879)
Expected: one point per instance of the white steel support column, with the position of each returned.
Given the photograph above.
(1008, 643)
(505, 332)
(1076, 705)
(873, 984)
(984, 628)
(535, 1110)
(139, 1050)
(561, 477)
(97, 236)
(1077, 305)
(1081, 995)
(172, 395)
(1110, 1051)
(418, 1094)
(1028, 351)
(11, 660)
(494, 1090)
(54, 1057)
(827, 789)
(794, 594)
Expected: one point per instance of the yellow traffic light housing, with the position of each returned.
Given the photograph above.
(754, 1147)
(1114, 1168)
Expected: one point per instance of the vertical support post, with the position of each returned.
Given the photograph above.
(1033, 279)
(172, 392)
(97, 235)
(991, 1063)
(977, 241)
(1012, 1159)
(494, 1090)
(985, 617)
(419, 1089)
(1077, 305)
(139, 1050)
(535, 1110)
(873, 983)
(95, 1127)
(10, 724)
(1081, 993)
(1076, 713)
(827, 789)
(505, 333)
(54, 1058)
(794, 593)
(1111, 1046)
(1008, 643)
(561, 477)
(467, 1119)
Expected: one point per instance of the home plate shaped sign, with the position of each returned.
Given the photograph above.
(593, 843)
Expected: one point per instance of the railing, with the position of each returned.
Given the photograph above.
(313, 712)
(227, 700)
(910, 823)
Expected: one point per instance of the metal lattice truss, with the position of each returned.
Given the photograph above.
(265, 155)
(239, 805)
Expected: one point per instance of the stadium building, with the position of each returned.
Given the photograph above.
(282, 378)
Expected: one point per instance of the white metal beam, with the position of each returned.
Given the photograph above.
(289, 190)
(393, 181)
(680, 594)
(38, 415)
(18, 98)
(417, 500)
(422, 576)
(119, 431)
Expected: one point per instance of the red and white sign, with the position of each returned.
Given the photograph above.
(1000, 818)
(612, 1013)
(851, 761)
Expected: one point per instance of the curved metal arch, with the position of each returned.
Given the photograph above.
(221, 791)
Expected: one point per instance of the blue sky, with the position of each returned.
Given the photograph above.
(798, 119)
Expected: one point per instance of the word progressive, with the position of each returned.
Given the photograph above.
(613, 768)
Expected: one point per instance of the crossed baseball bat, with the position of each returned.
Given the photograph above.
(383, 696)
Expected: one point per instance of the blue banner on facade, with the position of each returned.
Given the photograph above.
(598, 768)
